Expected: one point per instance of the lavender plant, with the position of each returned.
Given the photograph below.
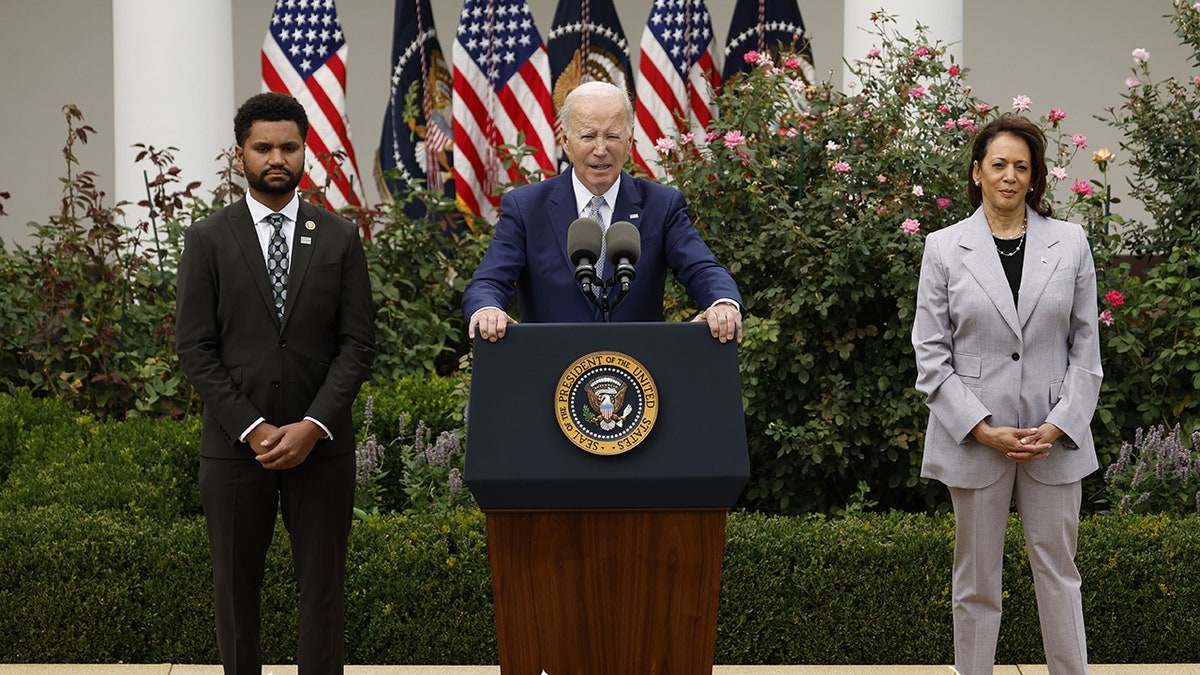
(433, 470)
(369, 473)
(1158, 473)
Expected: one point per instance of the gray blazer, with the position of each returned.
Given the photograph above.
(980, 357)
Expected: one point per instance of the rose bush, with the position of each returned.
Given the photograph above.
(820, 209)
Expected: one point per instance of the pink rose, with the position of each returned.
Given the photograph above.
(792, 63)
(943, 202)
(918, 191)
(841, 167)
(1056, 116)
(664, 146)
(752, 56)
(1106, 317)
(954, 70)
(1081, 188)
(1115, 298)
(1079, 141)
(943, 108)
(1021, 102)
(733, 139)
(1131, 82)
(917, 92)
(921, 51)
(873, 53)
(910, 226)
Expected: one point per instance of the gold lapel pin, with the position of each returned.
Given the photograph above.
(310, 225)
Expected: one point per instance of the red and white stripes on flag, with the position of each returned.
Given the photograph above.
(679, 71)
(501, 91)
(304, 55)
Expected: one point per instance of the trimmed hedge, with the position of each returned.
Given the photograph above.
(92, 587)
(105, 559)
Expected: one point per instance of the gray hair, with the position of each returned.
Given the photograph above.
(594, 89)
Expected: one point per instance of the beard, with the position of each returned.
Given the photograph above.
(273, 186)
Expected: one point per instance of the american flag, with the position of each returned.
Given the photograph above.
(417, 149)
(766, 26)
(586, 42)
(501, 90)
(678, 72)
(304, 54)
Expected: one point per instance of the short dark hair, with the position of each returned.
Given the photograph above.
(268, 107)
(1031, 133)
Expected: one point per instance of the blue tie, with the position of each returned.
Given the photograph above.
(277, 262)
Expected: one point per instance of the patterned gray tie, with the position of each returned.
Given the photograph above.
(593, 212)
(277, 262)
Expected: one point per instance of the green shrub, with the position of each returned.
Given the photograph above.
(140, 467)
(91, 587)
(1152, 347)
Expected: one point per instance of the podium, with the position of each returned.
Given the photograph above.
(605, 457)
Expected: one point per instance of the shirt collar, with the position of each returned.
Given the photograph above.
(583, 195)
(258, 212)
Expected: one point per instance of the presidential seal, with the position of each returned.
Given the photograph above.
(606, 403)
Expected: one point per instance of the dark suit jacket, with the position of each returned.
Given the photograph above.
(244, 362)
(528, 255)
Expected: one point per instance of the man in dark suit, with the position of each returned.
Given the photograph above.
(278, 357)
(528, 254)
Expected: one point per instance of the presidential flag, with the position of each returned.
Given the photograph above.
(501, 97)
(767, 27)
(304, 54)
(415, 148)
(586, 42)
(679, 72)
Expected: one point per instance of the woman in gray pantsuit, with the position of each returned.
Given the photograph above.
(1008, 357)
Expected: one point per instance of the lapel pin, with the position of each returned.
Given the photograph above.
(310, 226)
(634, 216)
(305, 240)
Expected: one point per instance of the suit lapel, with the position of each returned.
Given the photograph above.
(241, 226)
(1041, 259)
(983, 263)
(629, 202)
(561, 212)
(304, 240)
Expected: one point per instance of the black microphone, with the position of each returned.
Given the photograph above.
(624, 244)
(584, 239)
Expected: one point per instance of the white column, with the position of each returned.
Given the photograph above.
(944, 19)
(172, 86)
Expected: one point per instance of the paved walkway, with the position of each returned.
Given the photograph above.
(174, 669)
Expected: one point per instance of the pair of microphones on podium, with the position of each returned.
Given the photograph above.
(586, 238)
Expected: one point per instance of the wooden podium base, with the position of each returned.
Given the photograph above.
(606, 592)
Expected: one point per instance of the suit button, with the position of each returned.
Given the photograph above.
(1016, 356)
(274, 384)
(283, 344)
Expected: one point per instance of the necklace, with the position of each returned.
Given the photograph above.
(1020, 239)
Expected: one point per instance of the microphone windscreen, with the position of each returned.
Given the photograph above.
(624, 241)
(583, 240)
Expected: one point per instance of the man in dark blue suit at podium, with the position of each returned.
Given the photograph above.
(528, 254)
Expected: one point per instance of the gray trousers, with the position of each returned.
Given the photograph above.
(1050, 518)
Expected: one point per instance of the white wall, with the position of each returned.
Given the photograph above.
(1068, 54)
